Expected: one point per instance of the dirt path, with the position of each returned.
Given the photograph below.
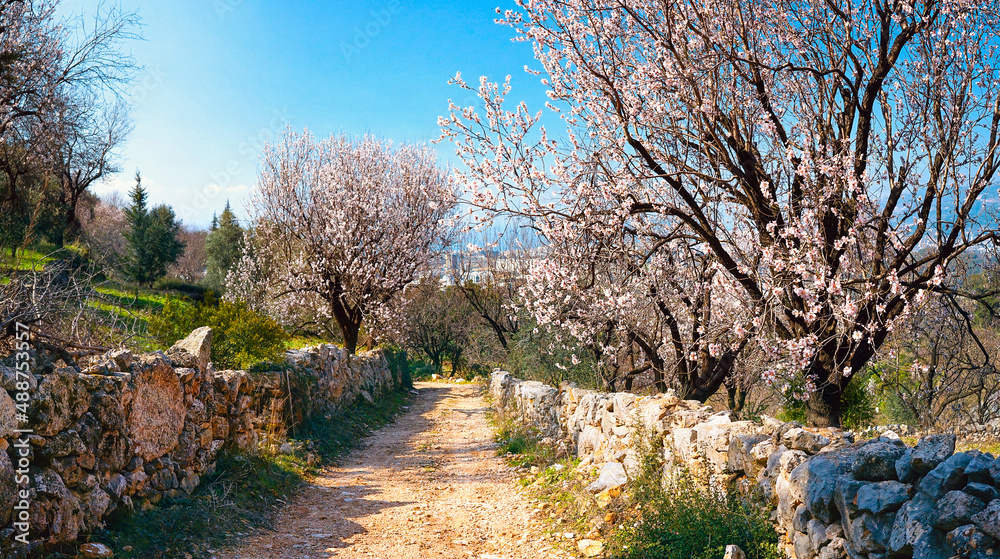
(427, 486)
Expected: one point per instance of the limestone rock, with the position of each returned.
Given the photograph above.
(931, 451)
(8, 489)
(108, 409)
(913, 522)
(9, 380)
(882, 496)
(945, 476)
(94, 505)
(734, 552)
(57, 508)
(932, 545)
(877, 461)
(994, 470)
(870, 533)
(817, 533)
(122, 358)
(157, 413)
(8, 415)
(590, 548)
(981, 491)
(988, 520)
(739, 458)
(612, 475)
(798, 438)
(955, 509)
(801, 519)
(813, 481)
(190, 482)
(978, 469)
(59, 400)
(845, 497)
(836, 549)
(115, 487)
(968, 539)
(96, 550)
(904, 467)
(197, 346)
(802, 545)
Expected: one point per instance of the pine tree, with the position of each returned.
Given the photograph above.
(152, 237)
(137, 215)
(223, 247)
(163, 235)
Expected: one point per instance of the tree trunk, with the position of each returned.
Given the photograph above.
(737, 398)
(823, 408)
(350, 331)
(349, 319)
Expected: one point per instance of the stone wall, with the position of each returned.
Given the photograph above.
(127, 430)
(831, 496)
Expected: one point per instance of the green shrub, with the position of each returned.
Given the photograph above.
(191, 290)
(682, 521)
(543, 355)
(399, 364)
(421, 370)
(858, 404)
(241, 337)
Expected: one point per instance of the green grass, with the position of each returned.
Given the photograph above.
(243, 495)
(140, 300)
(299, 342)
(334, 437)
(26, 259)
(991, 446)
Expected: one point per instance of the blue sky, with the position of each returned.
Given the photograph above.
(221, 77)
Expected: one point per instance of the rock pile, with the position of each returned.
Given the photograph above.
(130, 429)
(832, 496)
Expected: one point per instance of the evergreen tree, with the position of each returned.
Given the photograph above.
(224, 248)
(152, 237)
(164, 239)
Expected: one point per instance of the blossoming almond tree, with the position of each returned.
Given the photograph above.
(340, 226)
(627, 299)
(830, 155)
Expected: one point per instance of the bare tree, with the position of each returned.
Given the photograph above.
(54, 78)
(490, 274)
(103, 226)
(940, 360)
(190, 266)
(92, 134)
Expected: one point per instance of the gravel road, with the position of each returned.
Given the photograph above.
(428, 486)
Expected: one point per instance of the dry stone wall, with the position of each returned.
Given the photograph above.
(128, 430)
(832, 496)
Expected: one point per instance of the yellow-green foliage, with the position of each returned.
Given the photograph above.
(241, 337)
